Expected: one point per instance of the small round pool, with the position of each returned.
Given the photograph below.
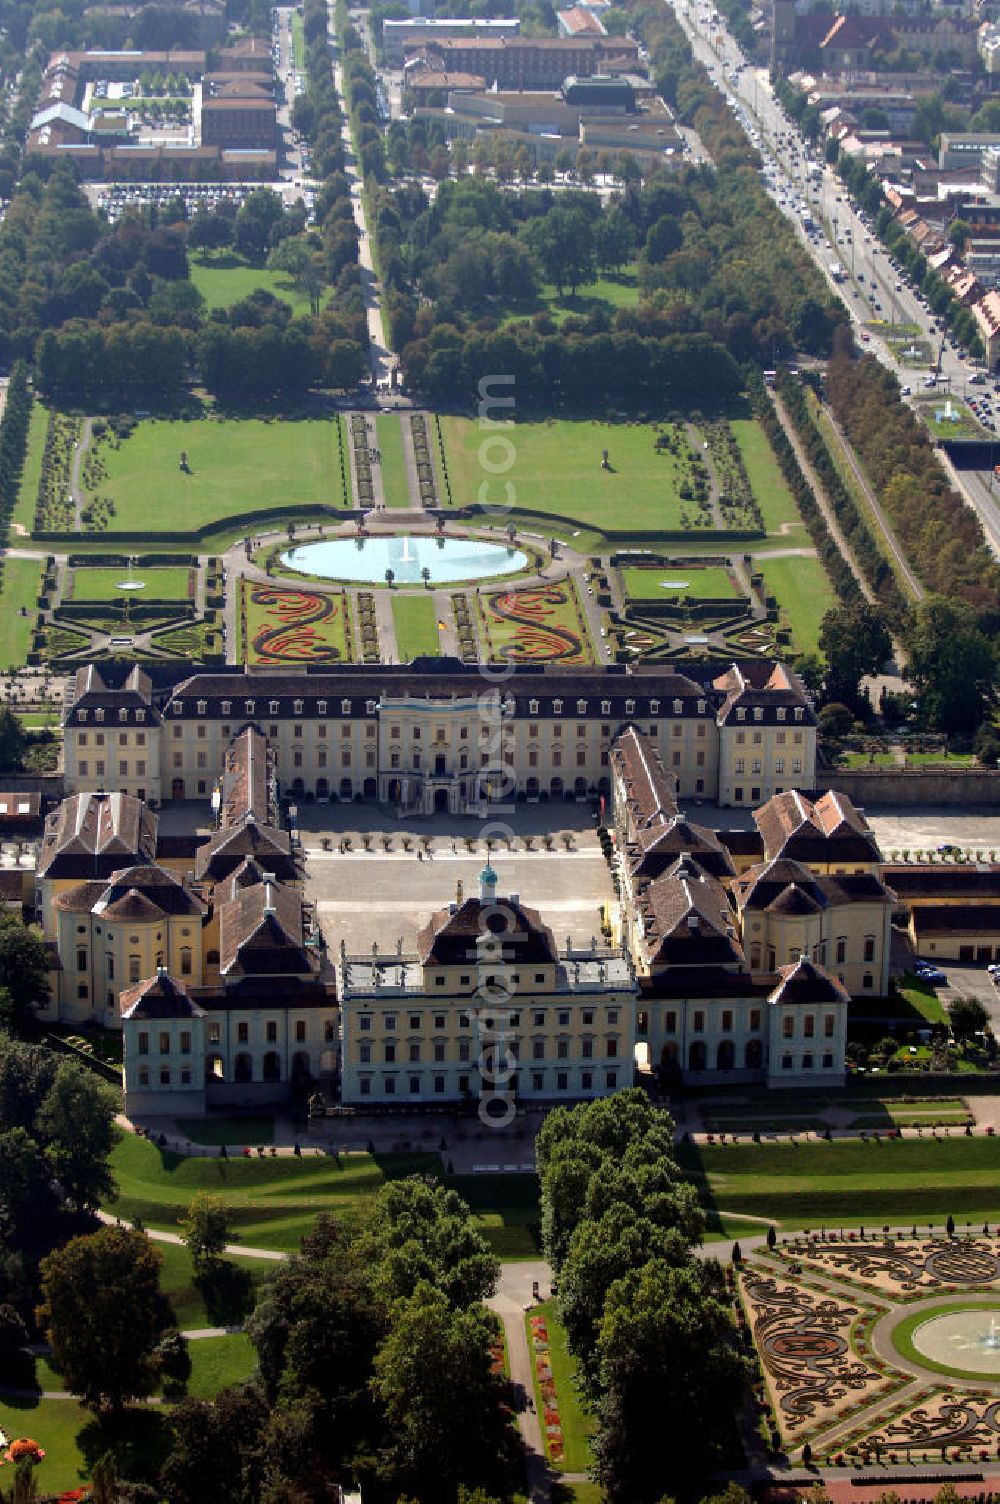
(367, 559)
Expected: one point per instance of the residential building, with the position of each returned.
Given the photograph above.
(400, 35)
(527, 62)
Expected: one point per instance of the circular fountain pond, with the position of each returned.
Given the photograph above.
(956, 1339)
(365, 560)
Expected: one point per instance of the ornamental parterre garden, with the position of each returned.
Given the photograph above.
(877, 1347)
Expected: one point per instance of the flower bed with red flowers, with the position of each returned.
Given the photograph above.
(296, 626)
(535, 638)
(22, 1449)
(550, 1418)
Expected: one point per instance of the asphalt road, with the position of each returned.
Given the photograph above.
(797, 180)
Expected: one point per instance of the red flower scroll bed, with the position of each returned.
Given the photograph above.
(535, 641)
(294, 639)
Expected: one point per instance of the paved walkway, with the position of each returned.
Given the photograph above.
(381, 361)
(79, 450)
(410, 461)
(386, 625)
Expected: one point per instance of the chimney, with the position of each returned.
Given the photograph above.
(268, 901)
(459, 892)
(514, 899)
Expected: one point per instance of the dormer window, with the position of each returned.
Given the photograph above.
(98, 715)
(226, 706)
(798, 712)
(202, 706)
(370, 707)
(654, 707)
(123, 716)
(781, 712)
(297, 707)
(508, 706)
(81, 715)
(272, 707)
(321, 707)
(630, 707)
(701, 707)
(678, 707)
(605, 707)
(140, 716)
(557, 707)
(741, 714)
(581, 707)
(758, 713)
(533, 707)
(178, 707)
(249, 706)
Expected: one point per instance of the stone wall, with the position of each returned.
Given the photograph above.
(915, 787)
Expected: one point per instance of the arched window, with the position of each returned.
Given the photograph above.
(725, 1056)
(214, 1069)
(754, 1054)
(272, 1066)
(243, 1068)
(697, 1059)
(186, 966)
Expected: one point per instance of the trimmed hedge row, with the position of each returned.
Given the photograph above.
(315, 510)
(620, 535)
(832, 559)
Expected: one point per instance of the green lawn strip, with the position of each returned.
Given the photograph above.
(27, 494)
(416, 626)
(577, 1493)
(662, 584)
(557, 468)
(73, 1440)
(389, 440)
(237, 467)
(272, 1202)
(922, 999)
(849, 1180)
(224, 278)
(604, 295)
(96, 584)
(804, 593)
(577, 1424)
(298, 41)
(331, 632)
(902, 1337)
(867, 760)
(19, 586)
(939, 760)
(233, 1132)
(218, 1361)
(767, 483)
(177, 1281)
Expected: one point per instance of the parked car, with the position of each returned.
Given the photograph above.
(928, 973)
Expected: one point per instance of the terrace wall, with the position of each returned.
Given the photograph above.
(915, 787)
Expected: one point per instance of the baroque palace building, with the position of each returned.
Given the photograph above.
(732, 956)
(438, 735)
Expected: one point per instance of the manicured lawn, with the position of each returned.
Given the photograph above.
(177, 1281)
(922, 999)
(416, 626)
(102, 584)
(218, 1361)
(602, 296)
(939, 760)
(962, 424)
(804, 594)
(389, 438)
(537, 625)
(223, 278)
(557, 468)
(298, 42)
(73, 1440)
(849, 1181)
(31, 474)
(663, 583)
(272, 1202)
(237, 467)
(577, 1425)
(291, 626)
(229, 1131)
(19, 588)
(766, 481)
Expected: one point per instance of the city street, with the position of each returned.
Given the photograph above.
(871, 290)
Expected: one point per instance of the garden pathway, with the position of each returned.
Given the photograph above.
(874, 507)
(386, 626)
(700, 447)
(410, 461)
(378, 490)
(381, 361)
(448, 639)
(79, 450)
